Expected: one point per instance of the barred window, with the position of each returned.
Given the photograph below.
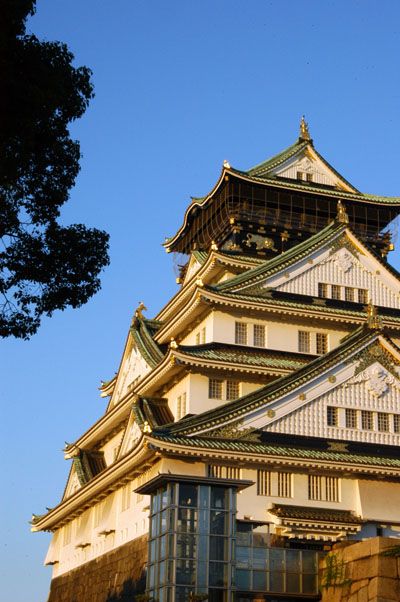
(331, 416)
(259, 335)
(336, 291)
(304, 341)
(367, 422)
(323, 488)
(232, 389)
(240, 333)
(322, 289)
(383, 421)
(215, 388)
(203, 335)
(321, 343)
(362, 295)
(349, 293)
(309, 177)
(223, 472)
(284, 484)
(197, 338)
(299, 175)
(396, 423)
(264, 482)
(351, 418)
(126, 496)
(181, 406)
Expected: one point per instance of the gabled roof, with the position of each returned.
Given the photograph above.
(357, 342)
(142, 331)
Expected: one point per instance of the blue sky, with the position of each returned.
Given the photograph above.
(180, 86)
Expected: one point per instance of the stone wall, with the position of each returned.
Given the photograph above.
(361, 572)
(113, 577)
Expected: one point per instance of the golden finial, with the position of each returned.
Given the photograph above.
(341, 215)
(214, 246)
(173, 344)
(146, 427)
(373, 320)
(304, 133)
(140, 309)
(227, 164)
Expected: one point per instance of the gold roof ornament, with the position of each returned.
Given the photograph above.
(341, 215)
(304, 132)
(214, 246)
(227, 164)
(146, 427)
(140, 309)
(173, 344)
(373, 319)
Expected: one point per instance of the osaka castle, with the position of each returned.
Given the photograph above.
(254, 422)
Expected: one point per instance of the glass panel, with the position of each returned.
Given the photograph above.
(219, 548)
(293, 583)
(218, 574)
(182, 594)
(276, 559)
(216, 595)
(202, 574)
(152, 551)
(187, 495)
(187, 520)
(154, 526)
(243, 557)
(243, 534)
(204, 496)
(260, 556)
(242, 579)
(219, 497)
(163, 546)
(261, 536)
(162, 572)
(185, 572)
(185, 546)
(219, 522)
(276, 582)
(309, 561)
(260, 580)
(309, 584)
(293, 561)
(202, 546)
(165, 498)
(151, 576)
(164, 521)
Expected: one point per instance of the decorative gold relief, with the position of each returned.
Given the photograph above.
(332, 379)
(302, 396)
(271, 413)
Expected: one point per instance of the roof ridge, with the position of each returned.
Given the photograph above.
(280, 157)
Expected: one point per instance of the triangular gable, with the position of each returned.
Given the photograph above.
(73, 483)
(334, 256)
(132, 435)
(193, 267)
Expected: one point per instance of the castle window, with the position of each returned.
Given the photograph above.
(362, 295)
(284, 484)
(322, 289)
(181, 406)
(331, 416)
(396, 423)
(203, 335)
(349, 293)
(309, 177)
(351, 418)
(336, 291)
(223, 472)
(215, 388)
(367, 422)
(304, 341)
(264, 482)
(240, 333)
(232, 389)
(299, 175)
(197, 338)
(322, 488)
(126, 496)
(259, 335)
(321, 343)
(383, 421)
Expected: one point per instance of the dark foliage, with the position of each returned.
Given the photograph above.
(44, 266)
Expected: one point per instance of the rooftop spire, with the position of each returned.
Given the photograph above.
(373, 319)
(341, 215)
(304, 133)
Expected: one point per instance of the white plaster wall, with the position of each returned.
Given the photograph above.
(110, 449)
(207, 323)
(178, 389)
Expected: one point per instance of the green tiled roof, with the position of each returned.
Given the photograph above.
(274, 449)
(325, 515)
(252, 356)
(232, 410)
(282, 261)
(143, 331)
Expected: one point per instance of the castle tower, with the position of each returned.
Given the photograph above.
(255, 420)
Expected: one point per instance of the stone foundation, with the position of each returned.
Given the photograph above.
(361, 572)
(113, 577)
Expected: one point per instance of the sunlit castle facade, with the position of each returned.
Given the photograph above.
(255, 421)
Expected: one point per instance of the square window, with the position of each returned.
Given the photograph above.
(336, 291)
(362, 295)
(367, 422)
(322, 289)
(383, 421)
(284, 484)
(396, 423)
(304, 341)
(349, 293)
(300, 175)
(203, 336)
(309, 177)
(264, 482)
(215, 388)
(259, 335)
(240, 333)
(351, 418)
(232, 389)
(321, 343)
(331, 416)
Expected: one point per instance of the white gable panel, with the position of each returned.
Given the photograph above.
(307, 165)
(134, 367)
(374, 389)
(342, 268)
